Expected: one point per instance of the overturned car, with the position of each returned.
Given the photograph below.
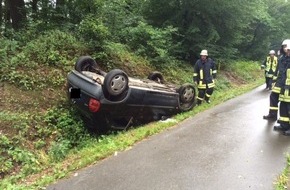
(115, 100)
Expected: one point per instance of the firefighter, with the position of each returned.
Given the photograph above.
(284, 96)
(270, 65)
(203, 76)
(274, 96)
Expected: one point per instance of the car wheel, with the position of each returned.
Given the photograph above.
(156, 76)
(86, 63)
(116, 83)
(187, 95)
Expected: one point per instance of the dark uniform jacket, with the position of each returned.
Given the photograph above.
(278, 74)
(285, 80)
(204, 73)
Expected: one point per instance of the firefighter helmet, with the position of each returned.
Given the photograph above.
(272, 52)
(286, 42)
(204, 52)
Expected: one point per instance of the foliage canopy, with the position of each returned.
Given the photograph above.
(158, 29)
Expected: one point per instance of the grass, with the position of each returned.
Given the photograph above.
(92, 152)
(42, 139)
(282, 181)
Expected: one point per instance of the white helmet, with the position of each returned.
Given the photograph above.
(204, 52)
(286, 42)
(272, 52)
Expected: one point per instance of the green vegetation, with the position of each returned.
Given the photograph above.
(157, 29)
(42, 138)
(49, 145)
(282, 181)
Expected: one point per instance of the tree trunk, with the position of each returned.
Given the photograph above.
(7, 16)
(34, 6)
(60, 13)
(59, 4)
(1, 13)
(18, 14)
(44, 15)
(34, 9)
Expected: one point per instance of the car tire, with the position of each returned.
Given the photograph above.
(187, 95)
(86, 63)
(156, 76)
(115, 84)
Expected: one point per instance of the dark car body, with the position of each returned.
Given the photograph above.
(114, 100)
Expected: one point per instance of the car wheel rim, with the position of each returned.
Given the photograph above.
(188, 94)
(118, 83)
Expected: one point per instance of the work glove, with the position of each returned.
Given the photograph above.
(262, 67)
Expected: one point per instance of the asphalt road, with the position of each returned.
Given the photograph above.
(227, 147)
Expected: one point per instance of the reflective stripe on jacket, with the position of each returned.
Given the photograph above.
(271, 64)
(278, 74)
(285, 81)
(204, 73)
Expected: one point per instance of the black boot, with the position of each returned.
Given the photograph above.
(207, 100)
(280, 128)
(270, 117)
(198, 102)
(287, 133)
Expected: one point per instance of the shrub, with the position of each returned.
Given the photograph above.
(54, 48)
(148, 41)
(69, 127)
(4, 142)
(43, 62)
(247, 71)
(59, 150)
(117, 55)
(8, 49)
(93, 31)
(6, 166)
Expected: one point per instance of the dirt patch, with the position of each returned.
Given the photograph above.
(17, 104)
(5, 125)
(16, 100)
(133, 68)
(6, 129)
(1, 95)
(233, 78)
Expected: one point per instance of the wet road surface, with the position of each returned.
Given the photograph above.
(227, 147)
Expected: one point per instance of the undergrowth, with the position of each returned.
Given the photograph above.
(43, 62)
(282, 181)
(42, 136)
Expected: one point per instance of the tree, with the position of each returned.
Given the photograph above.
(7, 16)
(59, 13)
(228, 29)
(224, 27)
(34, 6)
(18, 13)
(1, 12)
